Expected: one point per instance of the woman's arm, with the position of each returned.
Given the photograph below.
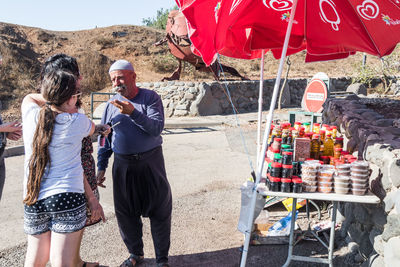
(95, 208)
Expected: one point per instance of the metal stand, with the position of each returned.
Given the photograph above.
(329, 260)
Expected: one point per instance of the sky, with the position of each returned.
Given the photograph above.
(73, 15)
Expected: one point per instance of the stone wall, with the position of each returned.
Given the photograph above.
(211, 98)
(371, 129)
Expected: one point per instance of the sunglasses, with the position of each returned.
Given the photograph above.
(78, 94)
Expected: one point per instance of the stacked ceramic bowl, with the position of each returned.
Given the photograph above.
(359, 177)
(342, 178)
(309, 173)
(325, 178)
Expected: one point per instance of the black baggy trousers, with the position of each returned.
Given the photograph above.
(140, 189)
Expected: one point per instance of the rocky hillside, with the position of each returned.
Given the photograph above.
(24, 49)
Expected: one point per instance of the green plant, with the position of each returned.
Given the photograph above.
(385, 71)
(160, 21)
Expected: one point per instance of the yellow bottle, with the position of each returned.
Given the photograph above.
(328, 146)
(315, 147)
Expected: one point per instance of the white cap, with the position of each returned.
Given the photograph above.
(121, 64)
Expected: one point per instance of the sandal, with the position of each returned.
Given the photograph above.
(128, 262)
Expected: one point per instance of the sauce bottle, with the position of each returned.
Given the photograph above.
(315, 147)
(328, 146)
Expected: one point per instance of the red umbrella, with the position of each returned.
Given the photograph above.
(327, 29)
(202, 18)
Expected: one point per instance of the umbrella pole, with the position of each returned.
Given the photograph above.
(260, 166)
(260, 103)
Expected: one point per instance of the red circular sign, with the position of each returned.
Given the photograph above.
(314, 96)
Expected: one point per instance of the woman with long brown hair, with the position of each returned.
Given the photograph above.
(55, 192)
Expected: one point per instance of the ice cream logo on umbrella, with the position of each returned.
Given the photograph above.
(368, 9)
(279, 5)
(216, 9)
(285, 17)
(386, 19)
(389, 21)
(322, 5)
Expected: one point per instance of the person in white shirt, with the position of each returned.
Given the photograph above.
(55, 192)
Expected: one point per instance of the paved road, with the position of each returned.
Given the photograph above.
(205, 167)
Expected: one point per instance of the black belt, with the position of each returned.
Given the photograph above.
(139, 156)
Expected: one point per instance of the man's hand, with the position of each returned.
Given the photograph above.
(101, 178)
(103, 129)
(125, 107)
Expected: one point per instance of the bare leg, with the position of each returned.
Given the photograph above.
(38, 251)
(80, 262)
(64, 248)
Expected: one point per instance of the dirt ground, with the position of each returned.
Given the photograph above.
(205, 169)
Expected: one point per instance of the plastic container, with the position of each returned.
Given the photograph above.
(316, 127)
(325, 184)
(307, 127)
(341, 179)
(358, 181)
(358, 192)
(325, 179)
(341, 185)
(359, 171)
(325, 189)
(287, 158)
(309, 168)
(286, 185)
(360, 165)
(276, 145)
(360, 176)
(310, 182)
(326, 173)
(295, 168)
(276, 169)
(309, 188)
(309, 177)
(341, 190)
(359, 186)
(343, 173)
(277, 158)
(275, 184)
(297, 185)
(327, 167)
(325, 159)
(297, 125)
(343, 167)
(287, 171)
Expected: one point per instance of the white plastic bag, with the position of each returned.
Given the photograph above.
(247, 193)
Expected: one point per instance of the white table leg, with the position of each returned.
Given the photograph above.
(291, 242)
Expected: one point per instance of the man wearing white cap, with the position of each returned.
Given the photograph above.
(140, 184)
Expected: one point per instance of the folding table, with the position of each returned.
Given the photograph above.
(335, 198)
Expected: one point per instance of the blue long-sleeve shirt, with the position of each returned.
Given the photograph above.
(136, 133)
